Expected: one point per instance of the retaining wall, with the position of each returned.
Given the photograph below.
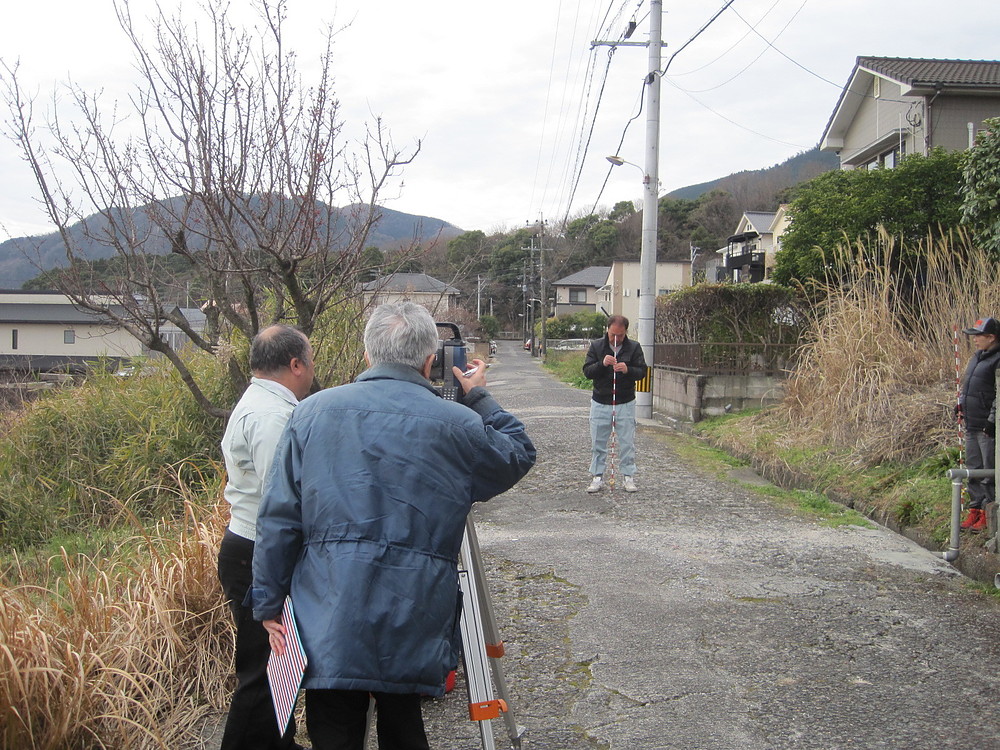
(693, 396)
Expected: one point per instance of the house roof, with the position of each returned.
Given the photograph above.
(916, 77)
(928, 75)
(27, 312)
(595, 276)
(760, 221)
(409, 282)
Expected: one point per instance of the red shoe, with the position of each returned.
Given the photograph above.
(449, 683)
(980, 523)
(975, 516)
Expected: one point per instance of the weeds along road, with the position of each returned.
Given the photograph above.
(697, 614)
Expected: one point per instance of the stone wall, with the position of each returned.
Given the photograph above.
(692, 397)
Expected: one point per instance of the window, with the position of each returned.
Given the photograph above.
(578, 296)
(69, 336)
(13, 339)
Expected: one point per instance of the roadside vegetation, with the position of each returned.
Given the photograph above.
(113, 626)
(868, 417)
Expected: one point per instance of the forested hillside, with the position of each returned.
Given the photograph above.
(24, 258)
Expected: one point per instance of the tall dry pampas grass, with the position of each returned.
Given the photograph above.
(876, 375)
(126, 652)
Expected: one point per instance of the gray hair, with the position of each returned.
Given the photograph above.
(400, 333)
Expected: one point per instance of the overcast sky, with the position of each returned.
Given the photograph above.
(514, 109)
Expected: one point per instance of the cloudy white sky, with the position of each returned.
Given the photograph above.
(511, 103)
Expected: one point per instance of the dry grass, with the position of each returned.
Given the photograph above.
(876, 375)
(128, 651)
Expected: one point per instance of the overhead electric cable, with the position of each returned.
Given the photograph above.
(751, 63)
(697, 34)
(642, 97)
(733, 122)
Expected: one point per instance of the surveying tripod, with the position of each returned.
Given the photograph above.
(482, 647)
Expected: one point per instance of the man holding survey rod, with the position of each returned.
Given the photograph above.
(361, 523)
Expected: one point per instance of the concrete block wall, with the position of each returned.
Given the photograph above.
(693, 396)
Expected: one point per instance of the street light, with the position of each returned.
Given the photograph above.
(618, 161)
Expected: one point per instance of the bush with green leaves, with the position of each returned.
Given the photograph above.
(919, 198)
(110, 449)
(490, 326)
(729, 313)
(578, 325)
(981, 192)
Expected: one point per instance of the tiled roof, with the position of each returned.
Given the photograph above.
(27, 312)
(926, 73)
(409, 282)
(596, 276)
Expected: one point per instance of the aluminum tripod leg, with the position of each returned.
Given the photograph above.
(482, 648)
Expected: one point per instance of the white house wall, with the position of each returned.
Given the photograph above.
(47, 339)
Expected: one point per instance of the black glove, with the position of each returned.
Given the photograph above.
(990, 429)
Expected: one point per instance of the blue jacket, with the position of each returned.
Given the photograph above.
(362, 520)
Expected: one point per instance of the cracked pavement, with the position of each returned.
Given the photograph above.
(697, 614)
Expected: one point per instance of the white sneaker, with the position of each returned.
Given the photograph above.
(595, 484)
(630, 485)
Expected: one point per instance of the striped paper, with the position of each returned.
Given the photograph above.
(285, 672)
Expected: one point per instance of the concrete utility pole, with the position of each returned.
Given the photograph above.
(650, 202)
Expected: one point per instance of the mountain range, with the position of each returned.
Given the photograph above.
(23, 258)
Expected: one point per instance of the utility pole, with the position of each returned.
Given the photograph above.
(650, 203)
(541, 281)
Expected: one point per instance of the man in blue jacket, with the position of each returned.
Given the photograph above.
(361, 524)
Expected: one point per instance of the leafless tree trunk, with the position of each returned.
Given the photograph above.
(222, 156)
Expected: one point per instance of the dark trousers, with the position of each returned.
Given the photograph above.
(337, 719)
(251, 724)
(979, 453)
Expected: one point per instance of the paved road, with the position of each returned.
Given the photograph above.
(695, 614)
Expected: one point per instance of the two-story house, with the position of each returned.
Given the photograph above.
(620, 293)
(892, 107)
(578, 292)
(749, 251)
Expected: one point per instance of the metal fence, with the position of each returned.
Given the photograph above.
(726, 359)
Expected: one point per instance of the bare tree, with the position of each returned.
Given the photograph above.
(223, 156)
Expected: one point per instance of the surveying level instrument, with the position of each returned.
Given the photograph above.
(450, 353)
(482, 647)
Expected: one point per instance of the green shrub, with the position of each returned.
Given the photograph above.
(729, 313)
(113, 448)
